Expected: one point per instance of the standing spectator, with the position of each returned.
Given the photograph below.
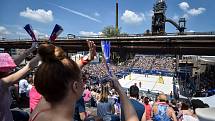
(23, 92)
(30, 84)
(171, 95)
(148, 108)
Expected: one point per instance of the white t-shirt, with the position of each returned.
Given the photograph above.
(5, 102)
(189, 118)
(28, 89)
(23, 86)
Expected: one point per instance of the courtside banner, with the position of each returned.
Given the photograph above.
(30, 31)
(55, 33)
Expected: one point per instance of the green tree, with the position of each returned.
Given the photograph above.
(110, 31)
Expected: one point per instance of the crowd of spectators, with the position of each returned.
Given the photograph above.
(146, 62)
(104, 101)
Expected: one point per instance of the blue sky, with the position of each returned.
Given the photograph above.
(89, 17)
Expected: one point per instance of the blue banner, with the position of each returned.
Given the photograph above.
(106, 53)
(106, 50)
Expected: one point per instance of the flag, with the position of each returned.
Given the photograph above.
(55, 33)
(30, 31)
(106, 50)
(106, 54)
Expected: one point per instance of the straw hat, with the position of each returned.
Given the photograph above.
(6, 62)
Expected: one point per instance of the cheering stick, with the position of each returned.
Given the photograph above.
(30, 31)
(55, 33)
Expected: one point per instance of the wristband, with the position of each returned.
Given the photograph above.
(85, 60)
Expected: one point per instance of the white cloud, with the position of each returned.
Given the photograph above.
(4, 31)
(195, 12)
(131, 17)
(85, 33)
(191, 31)
(184, 6)
(190, 11)
(96, 14)
(39, 15)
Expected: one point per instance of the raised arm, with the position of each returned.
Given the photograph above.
(17, 75)
(20, 58)
(89, 57)
(130, 113)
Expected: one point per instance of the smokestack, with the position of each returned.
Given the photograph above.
(116, 27)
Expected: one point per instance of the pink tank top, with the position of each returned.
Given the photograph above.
(34, 98)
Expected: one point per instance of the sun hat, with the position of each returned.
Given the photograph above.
(6, 62)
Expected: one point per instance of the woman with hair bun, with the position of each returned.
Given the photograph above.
(58, 80)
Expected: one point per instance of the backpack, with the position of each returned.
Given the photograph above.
(161, 114)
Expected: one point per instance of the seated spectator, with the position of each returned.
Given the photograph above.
(87, 94)
(105, 109)
(80, 112)
(139, 107)
(186, 114)
(162, 111)
(175, 108)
